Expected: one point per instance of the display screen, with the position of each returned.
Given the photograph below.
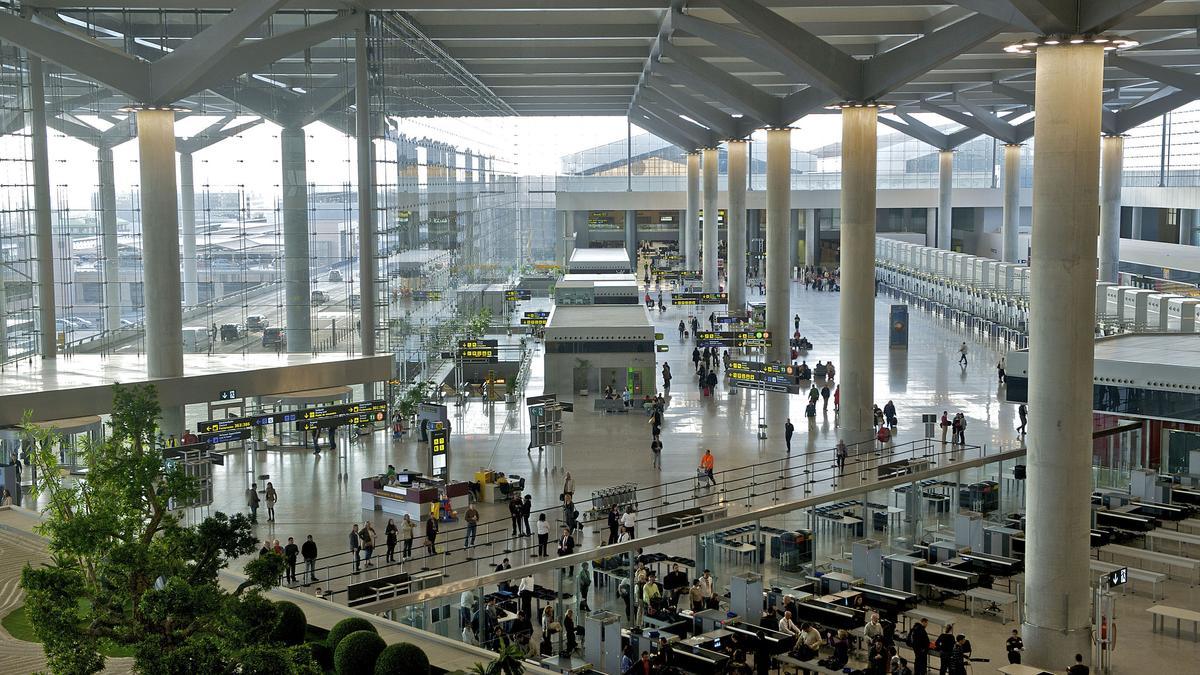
(518, 294)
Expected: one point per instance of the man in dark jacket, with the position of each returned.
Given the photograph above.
(514, 511)
(918, 639)
(945, 648)
(614, 523)
(289, 553)
(526, 509)
(309, 551)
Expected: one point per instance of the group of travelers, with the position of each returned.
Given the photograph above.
(820, 279)
(957, 426)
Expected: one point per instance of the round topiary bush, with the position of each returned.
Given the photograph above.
(345, 627)
(357, 653)
(402, 658)
(290, 624)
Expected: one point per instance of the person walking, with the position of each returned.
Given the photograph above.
(840, 455)
(696, 359)
(837, 398)
(367, 536)
(543, 535)
(583, 583)
(355, 546)
(666, 377)
(1023, 415)
(824, 398)
(656, 453)
(788, 430)
(962, 355)
(706, 466)
(1013, 646)
(272, 497)
(682, 330)
(568, 486)
(407, 526)
(796, 321)
(1001, 378)
(526, 510)
(472, 518)
(308, 551)
(252, 501)
(289, 554)
(431, 532)
(390, 536)
(889, 413)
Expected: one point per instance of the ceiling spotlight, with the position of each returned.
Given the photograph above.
(1077, 41)
(736, 116)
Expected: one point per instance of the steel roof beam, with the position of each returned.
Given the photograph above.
(701, 75)
(686, 104)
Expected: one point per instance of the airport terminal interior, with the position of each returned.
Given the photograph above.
(603, 336)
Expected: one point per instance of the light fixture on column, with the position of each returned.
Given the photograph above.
(138, 107)
(1109, 42)
(843, 105)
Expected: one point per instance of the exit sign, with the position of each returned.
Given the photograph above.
(229, 394)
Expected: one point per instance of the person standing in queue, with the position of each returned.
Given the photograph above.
(309, 552)
(289, 553)
(841, 454)
(431, 532)
(526, 510)
(407, 526)
(945, 647)
(918, 639)
(355, 546)
(390, 536)
(543, 535)
(614, 523)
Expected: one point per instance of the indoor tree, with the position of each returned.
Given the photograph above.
(126, 571)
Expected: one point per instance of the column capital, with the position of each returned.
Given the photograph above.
(1114, 136)
(141, 107)
(1107, 41)
(1014, 145)
(844, 105)
(736, 140)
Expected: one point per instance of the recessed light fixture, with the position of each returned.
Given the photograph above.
(137, 107)
(860, 104)
(736, 116)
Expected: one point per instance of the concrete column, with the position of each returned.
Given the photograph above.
(931, 227)
(779, 198)
(1135, 223)
(366, 195)
(631, 237)
(297, 293)
(945, 198)
(1061, 350)
(708, 257)
(187, 227)
(1012, 203)
(1112, 153)
(690, 241)
(160, 253)
(43, 218)
(1187, 226)
(812, 239)
(793, 240)
(3, 315)
(108, 240)
(735, 223)
(857, 335)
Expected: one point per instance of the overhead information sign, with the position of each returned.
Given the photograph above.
(734, 338)
(478, 351)
(514, 294)
(427, 296)
(683, 275)
(322, 417)
(699, 298)
(535, 318)
(759, 375)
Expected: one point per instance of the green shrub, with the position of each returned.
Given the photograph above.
(357, 652)
(322, 654)
(402, 658)
(345, 627)
(290, 624)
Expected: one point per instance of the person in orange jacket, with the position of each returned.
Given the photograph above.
(706, 465)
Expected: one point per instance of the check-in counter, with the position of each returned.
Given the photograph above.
(414, 497)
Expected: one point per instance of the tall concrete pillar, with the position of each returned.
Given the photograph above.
(366, 195)
(690, 241)
(160, 253)
(297, 291)
(857, 334)
(109, 250)
(945, 198)
(931, 227)
(779, 197)
(1187, 226)
(1135, 223)
(3, 316)
(631, 237)
(43, 218)
(708, 256)
(1012, 203)
(812, 239)
(1112, 148)
(1061, 351)
(187, 227)
(793, 240)
(735, 223)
